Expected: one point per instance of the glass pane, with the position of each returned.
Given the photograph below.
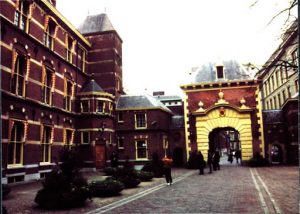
(11, 147)
(18, 152)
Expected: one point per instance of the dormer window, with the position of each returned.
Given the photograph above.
(220, 71)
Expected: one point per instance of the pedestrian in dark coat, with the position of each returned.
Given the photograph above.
(167, 167)
(201, 163)
(230, 156)
(114, 160)
(216, 160)
(209, 160)
(237, 155)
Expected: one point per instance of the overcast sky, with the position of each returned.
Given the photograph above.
(164, 39)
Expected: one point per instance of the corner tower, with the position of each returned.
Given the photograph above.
(105, 56)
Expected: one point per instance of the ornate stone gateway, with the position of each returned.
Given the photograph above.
(232, 105)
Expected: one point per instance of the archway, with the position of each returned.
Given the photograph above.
(230, 119)
(224, 139)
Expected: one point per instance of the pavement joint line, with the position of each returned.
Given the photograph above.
(277, 209)
(261, 198)
(136, 196)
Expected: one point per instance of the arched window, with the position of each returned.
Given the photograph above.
(68, 93)
(17, 133)
(48, 81)
(19, 70)
(49, 33)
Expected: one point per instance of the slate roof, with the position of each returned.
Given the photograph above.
(139, 102)
(232, 71)
(177, 122)
(167, 98)
(272, 116)
(96, 23)
(92, 86)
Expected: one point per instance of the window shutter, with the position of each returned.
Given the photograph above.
(10, 127)
(42, 133)
(25, 130)
(52, 135)
(64, 136)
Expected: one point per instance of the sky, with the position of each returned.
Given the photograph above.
(164, 39)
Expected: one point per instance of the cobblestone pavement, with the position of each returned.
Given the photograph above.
(233, 189)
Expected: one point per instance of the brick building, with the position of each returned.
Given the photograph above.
(60, 87)
(280, 94)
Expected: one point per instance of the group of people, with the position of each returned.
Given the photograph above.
(213, 161)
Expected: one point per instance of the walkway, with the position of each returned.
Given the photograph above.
(233, 189)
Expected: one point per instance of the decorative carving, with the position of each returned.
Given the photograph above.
(200, 104)
(243, 102)
(222, 112)
(221, 98)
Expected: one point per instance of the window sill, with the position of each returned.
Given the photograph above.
(45, 163)
(15, 166)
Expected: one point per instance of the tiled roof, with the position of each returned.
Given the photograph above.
(96, 23)
(139, 102)
(168, 98)
(272, 116)
(232, 71)
(92, 86)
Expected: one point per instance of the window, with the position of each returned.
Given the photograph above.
(68, 137)
(18, 76)
(141, 149)
(16, 143)
(85, 106)
(46, 144)
(283, 96)
(68, 94)
(272, 86)
(121, 143)
(49, 34)
(220, 72)
(100, 106)
(47, 86)
(267, 103)
(275, 103)
(271, 104)
(140, 120)
(296, 86)
(279, 77)
(68, 50)
(81, 59)
(279, 100)
(295, 57)
(120, 116)
(85, 137)
(289, 91)
(276, 79)
(21, 20)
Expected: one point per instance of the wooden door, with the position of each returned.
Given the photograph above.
(100, 156)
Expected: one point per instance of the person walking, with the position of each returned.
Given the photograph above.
(114, 160)
(167, 169)
(201, 163)
(216, 160)
(209, 160)
(230, 156)
(237, 155)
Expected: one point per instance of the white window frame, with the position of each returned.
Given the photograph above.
(137, 150)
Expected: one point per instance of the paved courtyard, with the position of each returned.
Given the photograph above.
(233, 189)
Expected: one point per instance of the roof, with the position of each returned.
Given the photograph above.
(272, 116)
(232, 71)
(177, 122)
(167, 98)
(96, 23)
(92, 86)
(140, 102)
